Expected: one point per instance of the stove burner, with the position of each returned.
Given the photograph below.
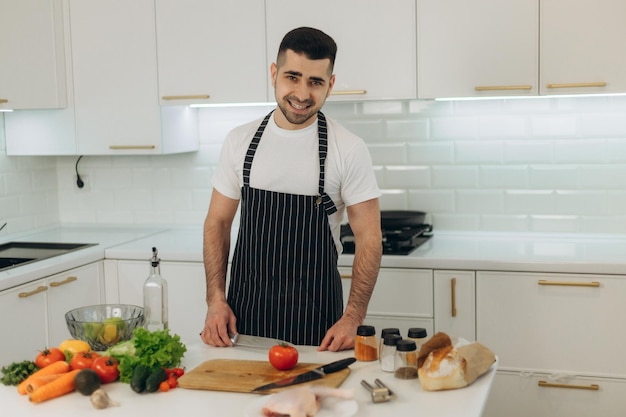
(396, 241)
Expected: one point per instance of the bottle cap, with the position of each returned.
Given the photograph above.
(405, 345)
(417, 332)
(389, 330)
(391, 339)
(366, 331)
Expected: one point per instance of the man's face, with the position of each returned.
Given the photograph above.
(301, 86)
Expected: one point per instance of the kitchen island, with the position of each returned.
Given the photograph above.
(409, 399)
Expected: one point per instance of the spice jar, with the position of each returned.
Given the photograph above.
(383, 333)
(405, 361)
(388, 352)
(365, 346)
(419, 335)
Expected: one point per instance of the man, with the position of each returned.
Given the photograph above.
(296, 173)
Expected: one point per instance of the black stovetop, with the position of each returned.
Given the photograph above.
(396, 241)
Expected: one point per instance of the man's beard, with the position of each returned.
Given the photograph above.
(295, 118)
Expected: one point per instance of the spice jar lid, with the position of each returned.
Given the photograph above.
(391, 339)
(389, 330)
(366, 331)
(417, 332)
(405, 345)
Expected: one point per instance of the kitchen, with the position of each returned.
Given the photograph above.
(547, 166)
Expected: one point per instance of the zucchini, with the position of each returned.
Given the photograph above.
(139, 378)
(157, 376)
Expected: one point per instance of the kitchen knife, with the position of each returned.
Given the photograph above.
(245, 340)
(308, 376)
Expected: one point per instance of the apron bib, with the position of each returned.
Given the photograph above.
(284, 281)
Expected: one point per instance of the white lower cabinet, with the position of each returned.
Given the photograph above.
(33, 314)
(516, 394)
(567, 328)
(402, 298)
(455, 303)
(186, 292)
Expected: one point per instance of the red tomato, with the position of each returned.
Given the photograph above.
(172, 381)
(83, 360)
(178, 372)
(106, 368)
(48, 356)
(283, 356)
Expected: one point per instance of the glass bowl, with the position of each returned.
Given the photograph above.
(104, 325)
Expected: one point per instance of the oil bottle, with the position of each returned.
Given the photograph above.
(155, 296)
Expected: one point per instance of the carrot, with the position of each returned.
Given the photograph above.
(60, 386)
(59, 367)
(40, 381)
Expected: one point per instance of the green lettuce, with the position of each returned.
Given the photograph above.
(152, 349)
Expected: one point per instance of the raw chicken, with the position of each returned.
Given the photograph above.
(302, 401)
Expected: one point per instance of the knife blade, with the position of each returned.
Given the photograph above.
(308, 376)
(245, 340)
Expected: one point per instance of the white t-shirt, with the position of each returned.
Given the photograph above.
(287, 161)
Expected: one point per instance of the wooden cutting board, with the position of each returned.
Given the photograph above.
(243, 375)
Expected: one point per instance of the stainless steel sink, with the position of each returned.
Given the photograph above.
(14, 254)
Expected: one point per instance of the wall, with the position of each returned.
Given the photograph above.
(28, 191)
(538, 165)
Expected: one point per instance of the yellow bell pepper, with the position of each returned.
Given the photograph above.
(74, 346)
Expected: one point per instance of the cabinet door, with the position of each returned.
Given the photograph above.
(71, 289)
(581, 50)
(376, 55)
(477, 48)
(211, 48)
(186, 293)
(32, 62)
(553, 322)
(455, 303)
(115, 77)
(23, 324)
(402, 298)
(515, 394)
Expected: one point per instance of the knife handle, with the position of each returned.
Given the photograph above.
(337, 366)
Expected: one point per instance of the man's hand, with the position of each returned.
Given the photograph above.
(220, 321)
(340, 337)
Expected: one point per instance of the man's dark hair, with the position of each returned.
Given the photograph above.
(313, 43)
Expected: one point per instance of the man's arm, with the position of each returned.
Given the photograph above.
(220, 319)
(364, 221)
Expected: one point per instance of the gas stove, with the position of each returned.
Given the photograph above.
(397, 240)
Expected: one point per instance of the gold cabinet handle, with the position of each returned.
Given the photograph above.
(3, 100)
(37, 290)
(127, 147)
(347, 92)
(65, 281)
(502, 87)
(347, 276)
(592, 387)
(188, 97)
(577, 85)
(453, 296)
(594, 284)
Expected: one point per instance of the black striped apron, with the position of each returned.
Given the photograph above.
(284, 281)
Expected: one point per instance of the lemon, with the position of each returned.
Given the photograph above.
(109, 334)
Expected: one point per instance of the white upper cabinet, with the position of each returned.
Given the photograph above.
(477, 48)
(376, 55)
(211, 51)
(32, 65)
(113, 105)
(582, 46)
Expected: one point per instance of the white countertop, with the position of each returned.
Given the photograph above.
(410, 399)
(524, 252)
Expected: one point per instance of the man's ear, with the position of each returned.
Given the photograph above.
(331, 84)
(273, 72)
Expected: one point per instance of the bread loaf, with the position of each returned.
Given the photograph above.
(449, 368)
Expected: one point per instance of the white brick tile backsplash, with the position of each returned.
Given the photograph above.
(431, 153)
(537, 164)
(406, 177)
(455, 177)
